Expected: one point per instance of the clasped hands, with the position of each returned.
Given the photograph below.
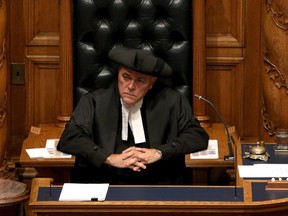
(134, 158)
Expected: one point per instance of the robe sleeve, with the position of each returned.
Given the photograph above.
(190, 135)
(77, 138)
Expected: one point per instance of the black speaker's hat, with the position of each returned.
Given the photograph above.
(141, 61)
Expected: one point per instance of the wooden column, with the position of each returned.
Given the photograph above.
(3, 90)
(199, 61)
(66, 63)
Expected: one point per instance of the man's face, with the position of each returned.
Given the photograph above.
(133, 85)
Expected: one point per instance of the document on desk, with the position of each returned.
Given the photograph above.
(210, 153)
(44, 153)
(84, 192)
(263, 171)
(49, 151)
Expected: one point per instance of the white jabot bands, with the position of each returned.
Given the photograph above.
(132, 115)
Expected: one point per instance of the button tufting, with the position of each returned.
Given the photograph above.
(155, 25)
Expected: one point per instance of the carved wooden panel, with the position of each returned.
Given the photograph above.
(275, 71)
(3, 87)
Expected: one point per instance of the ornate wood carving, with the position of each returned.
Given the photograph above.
(278, 15)
(3, 91)
(3, 110)
(275, 75)
(2, 51)
(275, 70)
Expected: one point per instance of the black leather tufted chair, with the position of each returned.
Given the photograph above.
(162, 26)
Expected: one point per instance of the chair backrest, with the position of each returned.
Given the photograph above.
(161, 26)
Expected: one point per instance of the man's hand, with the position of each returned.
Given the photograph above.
(134, 158)
(144, 155)
(117, 160)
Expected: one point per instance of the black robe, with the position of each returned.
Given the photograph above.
(92, 132)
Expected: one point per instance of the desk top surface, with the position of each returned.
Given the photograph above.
(252, 199)
(275, 157)
(157, 193)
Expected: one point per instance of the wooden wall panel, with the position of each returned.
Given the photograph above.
(251, 125)
(224, 23)
(42, 61)
(33, 37)
(42, 22)
(225, 44)
(43, 106)
(234, 51)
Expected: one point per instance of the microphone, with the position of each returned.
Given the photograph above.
(230, 156)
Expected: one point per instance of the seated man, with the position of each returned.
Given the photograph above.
(137, 131)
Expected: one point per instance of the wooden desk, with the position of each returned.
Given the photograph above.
(274, 158)
(56, 168)
(200, 167)
(59, 169)
(245, 206)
